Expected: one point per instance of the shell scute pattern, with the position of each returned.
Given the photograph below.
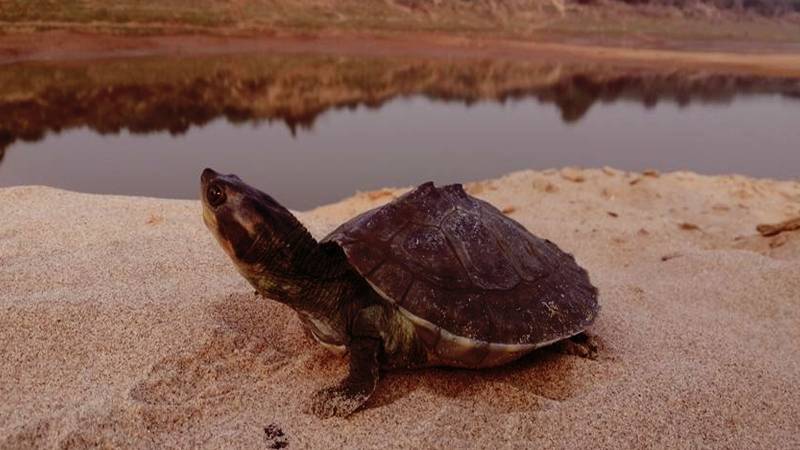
(379, 224)
(370, 257)
(528, 253)
(428, 302)
(430, 204)
(459, 268)
(468, 308)
(477, 248)
(394, 280)
(426, 248)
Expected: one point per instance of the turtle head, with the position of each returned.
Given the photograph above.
(260, 235)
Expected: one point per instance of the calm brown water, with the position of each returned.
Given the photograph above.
(315, 130)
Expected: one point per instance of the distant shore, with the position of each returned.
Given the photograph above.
(758, 37)
(702, 24)
(771, 60)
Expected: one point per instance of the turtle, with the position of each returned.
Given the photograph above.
(435, 277)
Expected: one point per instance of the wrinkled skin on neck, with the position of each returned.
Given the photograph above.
(279, 257)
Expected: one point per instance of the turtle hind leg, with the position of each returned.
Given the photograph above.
(351, 394)
(583, 344)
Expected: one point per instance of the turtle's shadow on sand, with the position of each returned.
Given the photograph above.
(243, 345)
(542, 377)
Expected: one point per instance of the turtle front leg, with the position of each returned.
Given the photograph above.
(365, 347)
(357, 387)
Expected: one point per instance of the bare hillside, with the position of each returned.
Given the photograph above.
(762, 20)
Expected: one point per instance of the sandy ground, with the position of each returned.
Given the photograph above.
(735, 57)
(123, 324)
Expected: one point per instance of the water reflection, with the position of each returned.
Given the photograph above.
(319, 128)
(173, 94)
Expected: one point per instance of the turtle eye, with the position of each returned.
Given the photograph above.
(215, 195)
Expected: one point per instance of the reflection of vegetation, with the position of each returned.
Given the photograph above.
(147, 95)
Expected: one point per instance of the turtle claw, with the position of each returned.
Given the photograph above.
(357, 387)
(583, 345)
(338, 401)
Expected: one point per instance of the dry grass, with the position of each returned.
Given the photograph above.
(500, 18)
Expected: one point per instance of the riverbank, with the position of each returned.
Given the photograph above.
(125, 325)
(765, 60)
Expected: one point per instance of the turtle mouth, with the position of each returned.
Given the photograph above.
(209, 219)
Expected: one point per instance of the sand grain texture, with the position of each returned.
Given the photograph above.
(124, 325)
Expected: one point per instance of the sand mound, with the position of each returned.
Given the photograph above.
(124, 325)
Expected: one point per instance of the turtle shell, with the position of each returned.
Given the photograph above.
(467, 274)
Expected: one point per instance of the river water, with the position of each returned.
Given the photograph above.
(312, 130)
